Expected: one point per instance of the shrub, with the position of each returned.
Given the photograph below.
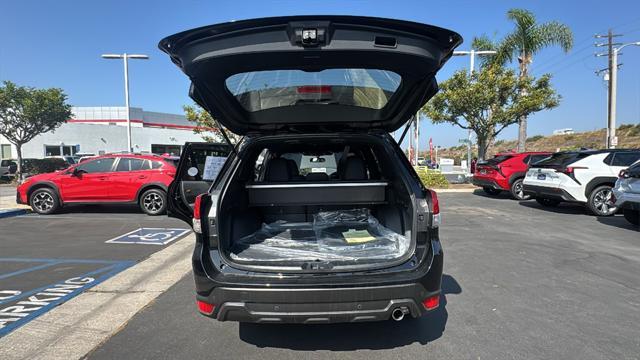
(40, 166)
(433, 179)
(633, 130)
(498, 143)
(535, 138)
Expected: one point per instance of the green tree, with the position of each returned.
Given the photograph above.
(527, 39)
(206, 125)
(489, 100)
(26, 112)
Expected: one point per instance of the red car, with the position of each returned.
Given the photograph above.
(505, 172)
(121, 178)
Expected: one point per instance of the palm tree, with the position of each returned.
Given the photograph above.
(527, 39)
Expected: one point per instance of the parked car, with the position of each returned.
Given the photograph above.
(505, 172)
(626, 193)
(141, 179)
(8, 168)
(299, 88)
(69, 159)
(579, 176)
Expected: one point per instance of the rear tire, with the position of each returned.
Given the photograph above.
(632, 216)
(548, 202)
(600, 201)
(153, 202)
(491, 191)
(517, 190)
(44, 201)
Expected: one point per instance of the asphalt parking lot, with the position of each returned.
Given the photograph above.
(47, 260)
(520, 282)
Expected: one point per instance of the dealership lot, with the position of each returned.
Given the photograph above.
(47, 260)
(520, 282)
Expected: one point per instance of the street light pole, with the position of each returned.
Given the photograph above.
(472, 63)
(612, 141)
(125, 57)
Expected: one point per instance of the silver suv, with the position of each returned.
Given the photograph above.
(627, 193)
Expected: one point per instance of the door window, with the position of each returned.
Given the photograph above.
(625, 159)
(131, 164)
(97, 166)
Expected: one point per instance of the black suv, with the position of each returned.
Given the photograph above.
(316, 215)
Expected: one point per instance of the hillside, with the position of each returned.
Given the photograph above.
(628, 137)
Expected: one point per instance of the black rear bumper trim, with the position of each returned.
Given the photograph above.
(485, 183)
(316, 305)
(548, 193)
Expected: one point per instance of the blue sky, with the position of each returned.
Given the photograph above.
(58, 44)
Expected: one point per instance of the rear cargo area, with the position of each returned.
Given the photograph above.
(302, 205)
(339, 235)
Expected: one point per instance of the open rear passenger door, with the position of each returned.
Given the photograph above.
(199, 166)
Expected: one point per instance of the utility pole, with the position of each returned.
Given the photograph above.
(611, 112)
(417, 137)
(472, 62)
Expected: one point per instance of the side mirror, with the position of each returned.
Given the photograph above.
(76, 172)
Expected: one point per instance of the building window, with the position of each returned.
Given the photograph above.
(5, 151)
(58, 150)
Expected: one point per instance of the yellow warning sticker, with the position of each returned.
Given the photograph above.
(353, 236)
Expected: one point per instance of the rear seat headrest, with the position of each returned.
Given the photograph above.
(293, 167)
(277, 170)
(354, 169)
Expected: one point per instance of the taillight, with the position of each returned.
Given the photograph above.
(432, 302)
(205, 308)
(435, 209)
(570, 170)
(434, 202)
(197, 225)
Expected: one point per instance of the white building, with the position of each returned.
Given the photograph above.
(102, 129)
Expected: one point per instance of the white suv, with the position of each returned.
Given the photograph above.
(579, 176)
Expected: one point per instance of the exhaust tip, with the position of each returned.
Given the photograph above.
(398, 314)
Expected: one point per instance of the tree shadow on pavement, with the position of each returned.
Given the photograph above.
(353, 336)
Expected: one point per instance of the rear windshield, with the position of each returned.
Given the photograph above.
(261, 90)
(560, 159)
(497, 159)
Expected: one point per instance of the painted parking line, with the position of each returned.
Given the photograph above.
(19, 306)
(150, 236)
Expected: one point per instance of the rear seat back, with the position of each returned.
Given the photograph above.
(277, 170)
(354, 169)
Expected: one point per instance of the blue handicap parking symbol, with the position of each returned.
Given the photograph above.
(150, 236)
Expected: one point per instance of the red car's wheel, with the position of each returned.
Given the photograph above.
(44, 201)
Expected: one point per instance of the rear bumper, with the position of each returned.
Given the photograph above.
(627, 200)
(314, 306)
(547, 193)
(486, 182)
(316, 298)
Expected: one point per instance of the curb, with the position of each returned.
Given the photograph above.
(455, 190)
(78, 326)
(5, 213)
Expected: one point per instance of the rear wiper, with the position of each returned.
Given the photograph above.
(311, 101)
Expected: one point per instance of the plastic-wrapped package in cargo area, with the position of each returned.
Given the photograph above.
(343, 235)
